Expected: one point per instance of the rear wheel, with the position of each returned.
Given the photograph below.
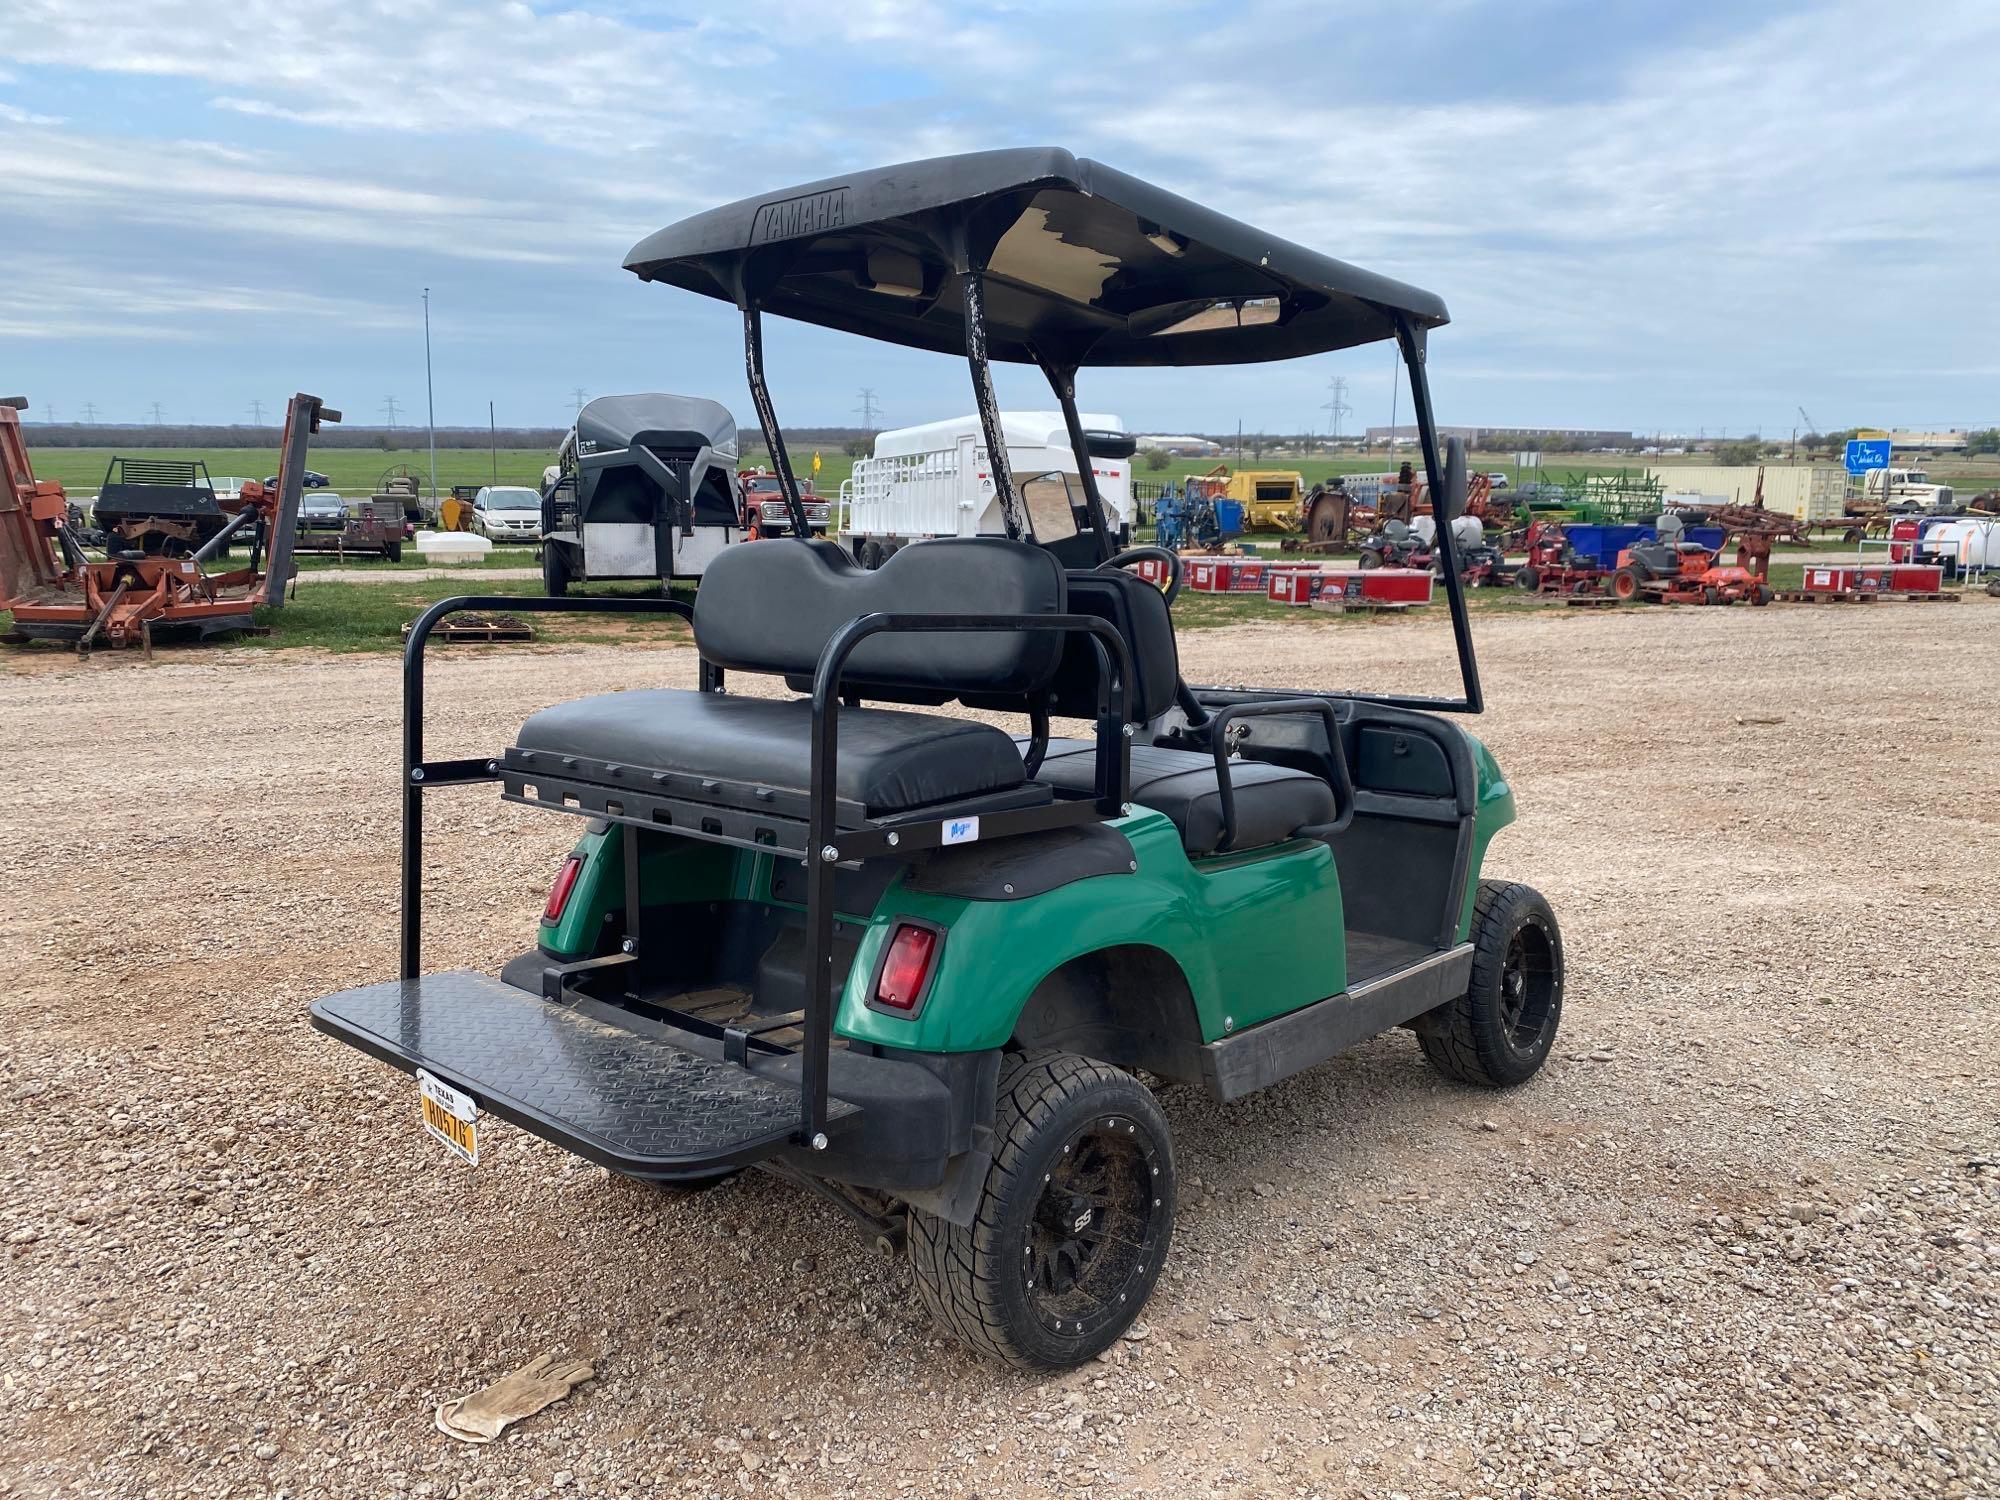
(1500, 1030)
(1761, 595)
(1711, 595)
(1371, 559)
(1625, 585)
(396, 551)
(1529, 579)
(555, 570)
(1072, 1225)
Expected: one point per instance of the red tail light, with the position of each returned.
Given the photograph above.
(906, 967)
(572, 866)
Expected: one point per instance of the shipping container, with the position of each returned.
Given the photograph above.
(1812, 492)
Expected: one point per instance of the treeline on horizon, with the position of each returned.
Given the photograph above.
(387, 439)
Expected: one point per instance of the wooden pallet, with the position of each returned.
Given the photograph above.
(481, 628)
(1584, 601)
(1859, 596)
(1364, 606)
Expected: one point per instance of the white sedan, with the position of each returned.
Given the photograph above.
(507, 513)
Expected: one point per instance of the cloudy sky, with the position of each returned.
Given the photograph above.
(1665, 216)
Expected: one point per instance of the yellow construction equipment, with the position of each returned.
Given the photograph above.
(1272, 499)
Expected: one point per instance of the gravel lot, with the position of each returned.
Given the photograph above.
(1742, 1236)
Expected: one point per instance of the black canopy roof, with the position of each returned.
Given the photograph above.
(1084, 265)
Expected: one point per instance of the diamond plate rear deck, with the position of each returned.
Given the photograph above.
(630, 1101)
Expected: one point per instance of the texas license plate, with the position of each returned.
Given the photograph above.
(451, 1116)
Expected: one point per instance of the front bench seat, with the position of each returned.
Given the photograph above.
(889, 761)
(1272, 802)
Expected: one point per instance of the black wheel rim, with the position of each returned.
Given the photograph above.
(1094, 1236)
(1527, 987)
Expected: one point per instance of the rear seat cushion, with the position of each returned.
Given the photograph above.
(889, 761)
(1272, 802)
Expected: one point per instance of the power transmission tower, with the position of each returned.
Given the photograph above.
(156, 414)
(49, 412)
(389, 406)
(1337, 407)
(256, 414)
(867, 409)
(579, 393)
(89, 415)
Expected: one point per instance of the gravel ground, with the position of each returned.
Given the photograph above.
(1740, 1237)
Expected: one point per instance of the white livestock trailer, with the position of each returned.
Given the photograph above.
(934, 480)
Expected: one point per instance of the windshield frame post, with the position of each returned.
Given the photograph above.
(767, 419)
(1013, 514)
(1062, 380)
(1411, 339)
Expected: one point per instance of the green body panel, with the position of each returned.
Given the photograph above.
(1255, 935)
(1492, 810)
(672, 871)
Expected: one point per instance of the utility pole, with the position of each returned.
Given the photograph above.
(1395, 390)
(156, 414)
(493, 441)
(430, 397)
(579, 393)
(389, 406)
(1337, 407)
(867, 409)
(256, 414)
(89, 415)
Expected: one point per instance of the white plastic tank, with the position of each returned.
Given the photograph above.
(1467, 532)
(452, 546)
(1963, 543)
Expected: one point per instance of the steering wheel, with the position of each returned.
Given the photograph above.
(1131, 555)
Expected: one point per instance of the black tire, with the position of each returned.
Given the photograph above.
(1073, 1223)
(1529, 579)
(872, 555)
(1371, 560)
(395, 552)
(1627, 585)
(1760, 595)
(555, 570)
(1498, 1033)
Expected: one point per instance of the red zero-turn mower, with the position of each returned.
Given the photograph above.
(1672, 571)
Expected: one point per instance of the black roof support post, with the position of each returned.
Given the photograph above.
(1062, 380)
(1411, 339)
(767, 418)
(1011, 511)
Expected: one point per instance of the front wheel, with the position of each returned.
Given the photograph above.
(1072, 1225)
(1500, 1030)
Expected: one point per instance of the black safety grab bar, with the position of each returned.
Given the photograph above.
(1217, 730)
(420, 774)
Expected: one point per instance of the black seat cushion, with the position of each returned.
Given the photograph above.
(1272, 802)
(888, 762)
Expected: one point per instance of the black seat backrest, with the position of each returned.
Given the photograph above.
(772, 606)
(1138, 611)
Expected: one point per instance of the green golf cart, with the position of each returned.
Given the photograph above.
(933, 966)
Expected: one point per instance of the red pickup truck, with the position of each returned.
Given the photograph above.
(764, 511)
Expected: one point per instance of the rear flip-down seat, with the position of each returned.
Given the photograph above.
(890, 761)
(729, 765)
